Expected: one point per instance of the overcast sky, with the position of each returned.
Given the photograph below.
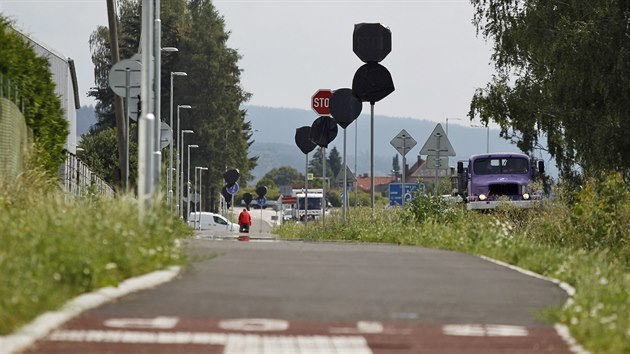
(292, 48)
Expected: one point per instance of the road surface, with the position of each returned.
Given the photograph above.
(296, 297)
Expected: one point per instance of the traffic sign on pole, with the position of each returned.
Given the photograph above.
(403, 142)
(233, 189)
(320, 102)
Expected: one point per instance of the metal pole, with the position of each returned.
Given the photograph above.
(487, 139)
(403, 171)
(180, 135)
(372, 157)
(127, 125)
(146, 121)
(437, 163)
(345, 178)
(157, 49)
(232, 212)
(356, 187)
(324, 186)
(196, 210)
(305, 195)
(188, 187)
(170, 153)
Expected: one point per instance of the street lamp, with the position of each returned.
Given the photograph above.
(188, 179)
(180, 173)
(200, 169)
(447, 123)
(170, 162)
(179, 151)
(487, 135)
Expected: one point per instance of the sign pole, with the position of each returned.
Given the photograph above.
(404, 167)
(127, 124)
(305, 195)
(324, 187)
(232, 212)
(345, 178)
(372, 157)
(437, 164)
(356, 187)
(261, 217)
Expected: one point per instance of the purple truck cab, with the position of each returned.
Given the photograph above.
(492, 179)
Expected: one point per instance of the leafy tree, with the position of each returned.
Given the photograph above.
(334, 162)
(266, 182)
(396, 164)
(101, 155)
(284, 175)
(31, 75)
(563, 71)
(212, 86)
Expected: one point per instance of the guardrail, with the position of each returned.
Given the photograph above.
(77, 178)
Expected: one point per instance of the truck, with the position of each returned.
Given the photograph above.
(313, 205)
(488, 180)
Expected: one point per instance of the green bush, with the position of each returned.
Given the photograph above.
(42, 108)
(54, 247)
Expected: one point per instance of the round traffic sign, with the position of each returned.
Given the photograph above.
(166, 135)
(320, 102)
(232, 189)
(261, 201)
(118, 77)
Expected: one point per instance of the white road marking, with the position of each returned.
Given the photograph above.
(254, 325)
(160, 322)
(233, 343)
(478, 330)
(367, 327)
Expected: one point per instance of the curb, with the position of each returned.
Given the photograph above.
(45, 323)
(562, 330)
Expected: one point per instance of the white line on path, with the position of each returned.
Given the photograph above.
(562, 330)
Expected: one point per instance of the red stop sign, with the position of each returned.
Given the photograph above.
(320, 102)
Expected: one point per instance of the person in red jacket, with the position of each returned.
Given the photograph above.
(244, 220)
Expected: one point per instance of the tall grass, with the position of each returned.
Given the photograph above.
(54, 246)
(585, 242)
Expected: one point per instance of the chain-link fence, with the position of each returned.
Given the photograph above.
(77, 178)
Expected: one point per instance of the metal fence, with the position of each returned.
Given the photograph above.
(77, 178)
(11, 92)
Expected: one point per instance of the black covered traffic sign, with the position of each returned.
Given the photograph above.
(372, 82)
(231, 177)
(247, 198)
(226, 195)
(323, 131)
(344, 107)
(261, 191)
(303, 139)
(371, 42)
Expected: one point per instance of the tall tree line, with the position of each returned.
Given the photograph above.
(212, 86)
(563, 72)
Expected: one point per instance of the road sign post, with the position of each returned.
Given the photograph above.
(403, 142)
(438, 144)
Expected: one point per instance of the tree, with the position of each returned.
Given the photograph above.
(30, 75)
(334, 161)
(99, 152)
(284, 175)
(212, 86)
(563, 71)
(316, 162)
(396, 165)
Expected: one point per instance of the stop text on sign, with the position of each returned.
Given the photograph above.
(320, 102)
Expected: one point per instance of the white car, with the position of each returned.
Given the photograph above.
(211, 221)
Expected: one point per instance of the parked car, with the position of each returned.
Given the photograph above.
(211, 221)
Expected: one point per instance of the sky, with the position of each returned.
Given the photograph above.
(292, 48)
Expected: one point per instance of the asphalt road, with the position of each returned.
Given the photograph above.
(374, 298)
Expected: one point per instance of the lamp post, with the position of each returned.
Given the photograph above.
(487, 135)
(170, 161)
(180, 173)
(179, 151)
(447, 123)
(188, 179)
(200, 169)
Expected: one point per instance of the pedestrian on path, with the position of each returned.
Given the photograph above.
(244, 221)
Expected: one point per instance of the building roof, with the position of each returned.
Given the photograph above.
(364, 181)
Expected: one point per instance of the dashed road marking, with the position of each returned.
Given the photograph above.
(233, 343)
(161, 322)
(477, 330)
(254, 325)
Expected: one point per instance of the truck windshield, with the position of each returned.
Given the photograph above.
(504, 165)
(313, 203)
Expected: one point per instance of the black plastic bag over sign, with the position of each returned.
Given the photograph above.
(372, 82)
(344, 107)
(247, 198)
(231, 177)
(303, 139)
(261, 191)
(323, 131)
(225, 193)
(371, 42)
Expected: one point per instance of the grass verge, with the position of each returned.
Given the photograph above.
(585, 243)
(54, 246)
